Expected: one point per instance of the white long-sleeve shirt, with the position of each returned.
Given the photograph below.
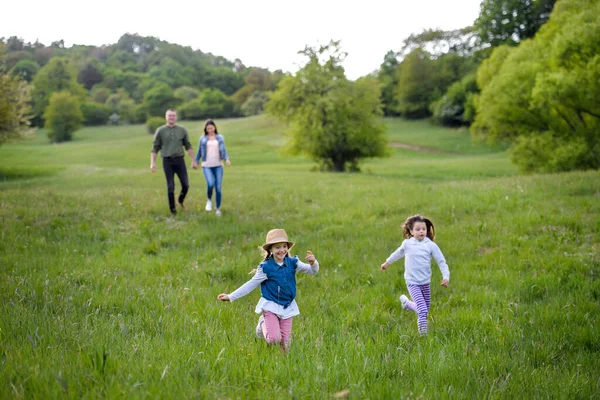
(267, 305)
(417, 266)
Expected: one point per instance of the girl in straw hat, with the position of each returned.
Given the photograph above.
(276, 276)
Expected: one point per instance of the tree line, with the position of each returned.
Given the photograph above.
(136, 78)
(525, 74)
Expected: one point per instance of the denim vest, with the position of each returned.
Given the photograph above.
(280, 286)
(201, 154)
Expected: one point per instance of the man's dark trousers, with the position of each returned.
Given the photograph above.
(172, 166)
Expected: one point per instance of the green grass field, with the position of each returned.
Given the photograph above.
(104, 295)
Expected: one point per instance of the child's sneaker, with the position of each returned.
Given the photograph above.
(208, 205)
(404, 301)
(259, 331)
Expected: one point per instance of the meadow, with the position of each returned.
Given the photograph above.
(104, 295)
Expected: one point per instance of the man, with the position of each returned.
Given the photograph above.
(169, 140)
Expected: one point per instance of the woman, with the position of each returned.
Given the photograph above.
(211, 149)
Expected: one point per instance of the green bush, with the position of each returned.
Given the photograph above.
(212, 103)
(548, 153)
(95, 113)
(153, 123)
(454, 108)
(140, 114)
(63, 117)
(255, 104)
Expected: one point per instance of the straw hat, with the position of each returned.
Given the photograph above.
(277, 236)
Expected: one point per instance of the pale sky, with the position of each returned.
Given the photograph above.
(263, 33)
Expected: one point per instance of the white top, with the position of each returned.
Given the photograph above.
(267, 305)
(417, 266)
(213, 157)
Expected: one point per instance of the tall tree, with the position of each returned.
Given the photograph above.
(333, 120)
(25, 69)
(57, 76)
(542, 95)
(388, 79)
(159, 99)
(14, 109)
(415, 86)
(63, 117)
(89, 75)
(511, 21)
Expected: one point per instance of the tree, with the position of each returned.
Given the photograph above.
(211, 103)
(14, 109)
(511, 21)
(333, 120)
(89, 75)
(388, 79)
(256, 79)
(453, 108)
(99, 94)
(172, 73)
(159, 99)
(415, 86)
(255, 104)
(223, 79)
(63, 117)
(121, 104)
(438, 42)
(25, 69)
(95, 113)
(58, 75)
(186, 93)
(542, 96)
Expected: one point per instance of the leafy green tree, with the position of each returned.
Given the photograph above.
(542, 96)
(255, 104)
(333, 120)
(388, 79)
(172, 73)
(99, 94)
(186, 93)
(57, 76)
(511, 21)
(453, 108)
(3, 52)
(159, 99)
(25, 69)
(14, 109)
(437, 42)
(256, 79)
(121, 104)
(140, 114)
(63, 117)
(123, 61)
(224, 79)
(89, 75)
(153, 123)
(415, 85)
(95, 113)
(210, 104)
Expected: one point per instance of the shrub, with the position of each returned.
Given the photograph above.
(153, 123)
(63, 117)
(95, 113)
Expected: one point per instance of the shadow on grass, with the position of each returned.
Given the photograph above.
(18, 173)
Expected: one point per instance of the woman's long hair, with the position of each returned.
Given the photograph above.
(210, 122)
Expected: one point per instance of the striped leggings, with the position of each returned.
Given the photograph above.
(421, 301)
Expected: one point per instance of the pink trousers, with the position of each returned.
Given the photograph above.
(275, 329)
